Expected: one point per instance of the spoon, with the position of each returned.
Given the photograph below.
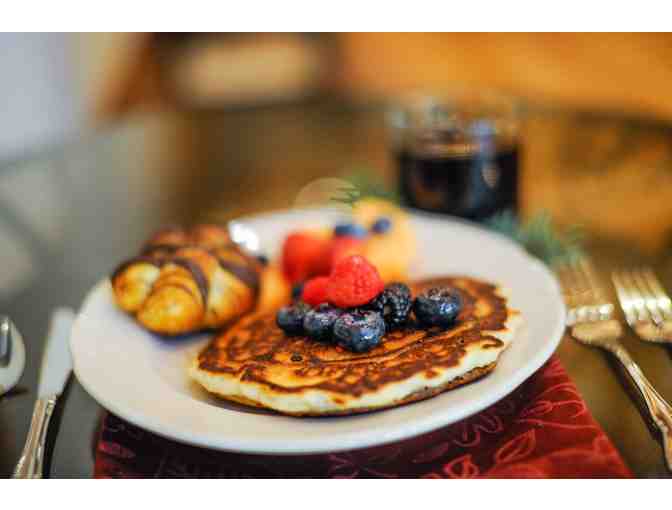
(12, 355)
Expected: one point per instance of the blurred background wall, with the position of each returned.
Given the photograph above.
(625, 72)
(41, 100)
(55, 84)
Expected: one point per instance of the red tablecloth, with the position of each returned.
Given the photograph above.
(541, 430)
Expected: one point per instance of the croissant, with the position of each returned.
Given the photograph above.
(188, 280)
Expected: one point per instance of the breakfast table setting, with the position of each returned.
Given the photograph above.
(567, 211)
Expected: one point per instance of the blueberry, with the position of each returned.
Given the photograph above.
(350, 230)
(394, 303)
(437, 307)
(263, 260)
(381, 226)
(360, 330)
(297, 290)
(319, 323)
(290, 318)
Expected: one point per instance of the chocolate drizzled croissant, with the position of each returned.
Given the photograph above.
(188, 280)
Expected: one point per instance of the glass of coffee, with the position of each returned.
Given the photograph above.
(458, 153)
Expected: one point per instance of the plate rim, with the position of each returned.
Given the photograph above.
(353, 440)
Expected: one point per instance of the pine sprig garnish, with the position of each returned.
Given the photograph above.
(362, 184)
(540, 237)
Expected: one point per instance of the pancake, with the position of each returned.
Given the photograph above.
(256, 363)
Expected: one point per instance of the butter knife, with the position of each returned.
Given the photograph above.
(54, 372)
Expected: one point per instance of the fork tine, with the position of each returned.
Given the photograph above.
(636, 298)
(580, 286)
(650, 300)
(600, 308)
(574, 293)
(624, 298)
(662, 298)
(581, 270)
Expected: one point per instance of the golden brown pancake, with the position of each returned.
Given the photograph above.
(256, 363)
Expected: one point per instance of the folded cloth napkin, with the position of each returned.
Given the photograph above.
(541, 430)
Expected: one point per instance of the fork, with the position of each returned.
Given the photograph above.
(591, 322)
(646, 305)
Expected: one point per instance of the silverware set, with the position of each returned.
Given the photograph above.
(648, 311)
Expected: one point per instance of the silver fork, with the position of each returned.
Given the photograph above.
(591, 322)
(646, 305)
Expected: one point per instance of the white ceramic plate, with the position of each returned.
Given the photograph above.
(142, 378)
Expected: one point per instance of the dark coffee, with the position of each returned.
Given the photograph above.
(474, 180)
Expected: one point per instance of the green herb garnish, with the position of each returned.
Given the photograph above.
(540, 237)
(364, 184)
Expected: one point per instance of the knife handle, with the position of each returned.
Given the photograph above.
(30, 464)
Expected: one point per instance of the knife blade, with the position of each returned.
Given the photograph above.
(54, 372)
(56, 360)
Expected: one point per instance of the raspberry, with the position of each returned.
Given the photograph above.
(353, 282)
(315, 291)
(302, 256)
(341, 247)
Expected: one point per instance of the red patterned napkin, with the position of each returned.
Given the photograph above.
(541, 430)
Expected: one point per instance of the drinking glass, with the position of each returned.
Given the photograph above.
(458, 153)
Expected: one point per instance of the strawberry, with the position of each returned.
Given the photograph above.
(353, 282)
(341, 247)
(315, 291)
(303, 256)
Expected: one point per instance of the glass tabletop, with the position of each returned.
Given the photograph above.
(69, 215)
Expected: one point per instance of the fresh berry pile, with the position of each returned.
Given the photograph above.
(339, 297)
(326, 300)
(352, 308)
